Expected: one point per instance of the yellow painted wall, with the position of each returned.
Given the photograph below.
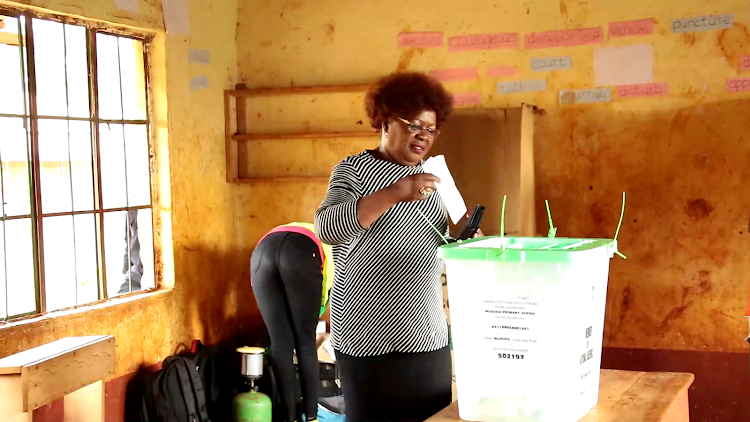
(683, 159)
(195, 204)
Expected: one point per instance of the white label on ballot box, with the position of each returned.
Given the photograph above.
(512, 330)
(510, 326)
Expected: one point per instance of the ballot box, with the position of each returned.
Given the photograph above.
(527, 322)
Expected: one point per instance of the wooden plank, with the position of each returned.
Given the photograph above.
(86, 404)
(229, 144)
(613, 384)
(297, 153)
(8, 38)
(11, 399)
(241, 106)
(14, 363)
(326, 89)
(52, 378)
(449, 414)
(626, 396)
(527, 212)
(649, 399)
(292, 136)
(679, 411)
(486, 153)
(298, 179)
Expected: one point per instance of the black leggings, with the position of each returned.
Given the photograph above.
(287, 281)
(395, 387)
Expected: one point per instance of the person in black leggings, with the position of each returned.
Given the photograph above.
(287, 279)
(385, 220)
(395, 387)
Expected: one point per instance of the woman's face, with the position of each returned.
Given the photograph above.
(409, 140)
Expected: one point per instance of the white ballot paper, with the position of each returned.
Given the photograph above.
(452, 198)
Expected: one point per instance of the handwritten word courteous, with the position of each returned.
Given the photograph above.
(703, 23)
(738, 85)
(585, 96)
(643, 90)
(543, 64)
(462, 74)
(631, 28)
(484, 42)
(564, 38)
(467, 99)
(420, 39)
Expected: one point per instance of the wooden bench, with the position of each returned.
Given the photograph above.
(626, 396)
(73, 368)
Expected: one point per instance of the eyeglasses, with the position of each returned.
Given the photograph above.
(415, 128)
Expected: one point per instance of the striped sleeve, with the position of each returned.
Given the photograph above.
(336, 220)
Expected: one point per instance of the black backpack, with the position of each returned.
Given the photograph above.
(162, 396)
(174, 394)
(219, 372)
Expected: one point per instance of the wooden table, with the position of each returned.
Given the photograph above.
(626, 396)
(72, 368)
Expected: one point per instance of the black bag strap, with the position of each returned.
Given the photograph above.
(148, 410)
(191, 383)
(160, 400)
(200, 392)
(186, 388)
(207, 360)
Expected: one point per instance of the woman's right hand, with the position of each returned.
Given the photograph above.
(407, 189)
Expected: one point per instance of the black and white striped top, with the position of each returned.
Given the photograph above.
(386, 294)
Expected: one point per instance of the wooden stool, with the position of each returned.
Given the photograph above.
(73, 368)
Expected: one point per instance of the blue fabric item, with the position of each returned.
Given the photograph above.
(325, 415)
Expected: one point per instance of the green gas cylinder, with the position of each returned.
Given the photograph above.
(251, 406)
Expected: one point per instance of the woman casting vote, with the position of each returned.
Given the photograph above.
(380, 214)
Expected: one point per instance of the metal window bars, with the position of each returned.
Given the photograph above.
(31, 118)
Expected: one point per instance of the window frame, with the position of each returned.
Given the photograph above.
(32, 118)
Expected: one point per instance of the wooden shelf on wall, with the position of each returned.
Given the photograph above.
(236, 143)
(303, 90)
(292, 136)
(282, 179)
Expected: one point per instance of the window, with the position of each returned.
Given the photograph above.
(75, 164)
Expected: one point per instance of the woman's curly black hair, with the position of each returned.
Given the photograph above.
(404, 95)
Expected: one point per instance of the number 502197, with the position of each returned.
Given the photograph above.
(510, 356)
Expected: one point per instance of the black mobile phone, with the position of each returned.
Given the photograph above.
(472, 225)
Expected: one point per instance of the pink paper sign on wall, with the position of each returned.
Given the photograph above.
(564, 38)
(464, 99)
(631, 28)
(461, 74)
(643, 90)
(420, 39)
(484, 42)
(738, 85)
(494, 71)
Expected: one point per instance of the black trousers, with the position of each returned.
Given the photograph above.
(285, 270)
(395, 387)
